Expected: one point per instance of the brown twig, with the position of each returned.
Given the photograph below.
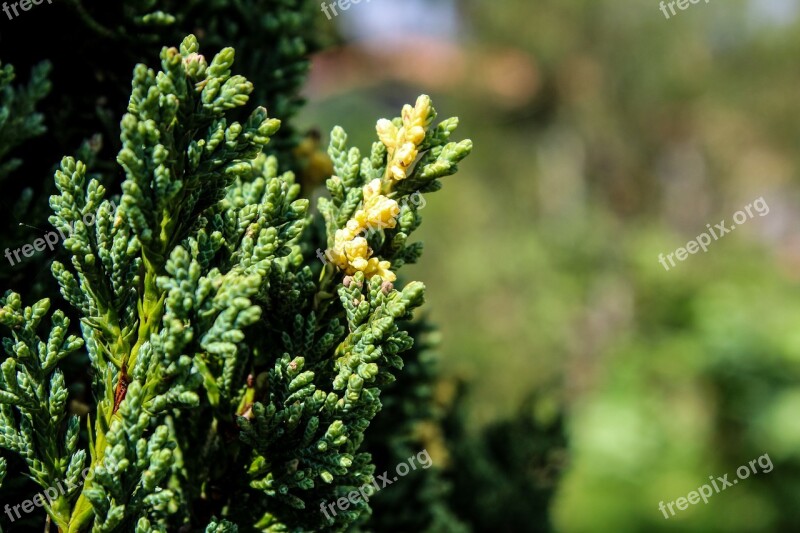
(122, 387)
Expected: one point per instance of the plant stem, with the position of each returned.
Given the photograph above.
(150, 311)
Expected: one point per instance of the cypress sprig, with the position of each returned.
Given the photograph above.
(19, 120)
(33, 395)
(143, 276)
(234, 381)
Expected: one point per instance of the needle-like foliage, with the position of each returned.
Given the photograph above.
(235, 375)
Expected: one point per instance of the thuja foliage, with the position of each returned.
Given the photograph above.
(19, 122)
(277, 35)
(98, 43)
(413, 417)
(106, 38)
(235, 375)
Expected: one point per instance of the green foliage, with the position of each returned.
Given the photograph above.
(714, 363)
(33, 396)
(19, 120)
(517, 464)
(273, 37)
(105, 39)
(673, 376)
(233, 380)
(414, 417)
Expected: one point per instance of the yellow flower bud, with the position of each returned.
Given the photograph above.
(403, 144)
(387, 133)
(397, 172)
(371, 189)
(422, 108)
(360, 264)
(352, 227)
(358, 247)
(407, 154)
(407, 114)
(416, 135)
(380, 268)
(380, 212)
(350, 251)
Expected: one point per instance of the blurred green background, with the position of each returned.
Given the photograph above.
(606, 134)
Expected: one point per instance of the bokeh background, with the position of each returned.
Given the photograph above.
(605, 134)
